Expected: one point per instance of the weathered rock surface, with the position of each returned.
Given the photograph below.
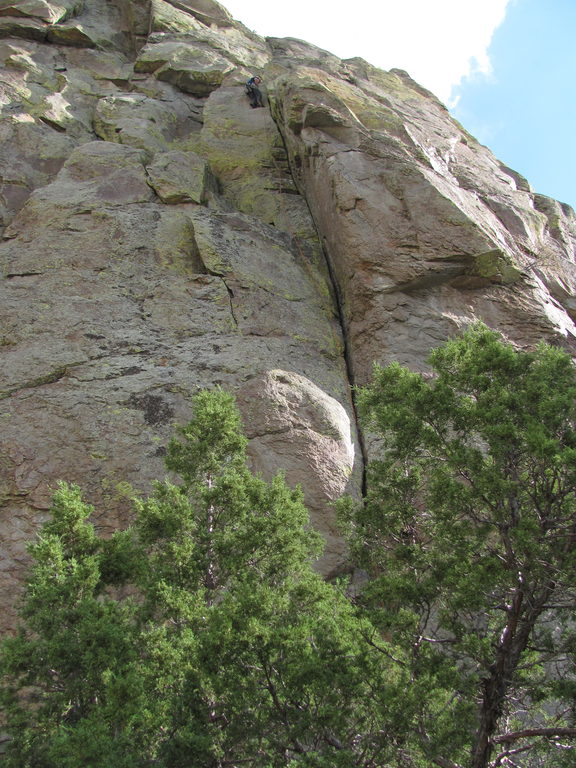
(295, 425)
(426, 230)
(179, 177)
(160, 236)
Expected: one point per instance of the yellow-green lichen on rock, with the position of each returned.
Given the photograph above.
(175, 243)
(497, 267)
(167, 18)
(135, 120)
(246, 153)
(194, 70)
(179, 177)
(49, 11)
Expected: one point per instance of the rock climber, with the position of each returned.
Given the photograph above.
(254, 92)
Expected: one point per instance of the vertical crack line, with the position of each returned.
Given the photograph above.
(230, 297)
(340, 313)
(347, 351)
(150, 17)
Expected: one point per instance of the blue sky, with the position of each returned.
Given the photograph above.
(506, 68)
(525, 110)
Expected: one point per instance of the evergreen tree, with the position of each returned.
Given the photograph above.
(66, 685)
(231, 650)
(469, 534)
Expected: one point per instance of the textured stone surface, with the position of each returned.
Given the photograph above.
(159, 236)
(179, 177)
(206, 11)
(50, 12)
(425, 229)
(168, 18)
(192, 69)
(293, 424)
(135, 120)
(115, 308)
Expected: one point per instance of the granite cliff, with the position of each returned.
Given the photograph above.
(159, 236)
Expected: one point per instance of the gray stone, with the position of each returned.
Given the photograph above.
(179, 177)
(350, 220)
(193, 70)
(50, 11)
(207, 11)
(292, 423)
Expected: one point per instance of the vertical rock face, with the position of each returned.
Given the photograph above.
(424, 228)
(159, 236)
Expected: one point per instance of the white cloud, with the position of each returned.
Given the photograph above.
(437, 41)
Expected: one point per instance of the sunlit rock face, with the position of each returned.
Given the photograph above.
(160, 236)
(425, 229)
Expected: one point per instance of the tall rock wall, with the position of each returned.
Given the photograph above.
(160, 236)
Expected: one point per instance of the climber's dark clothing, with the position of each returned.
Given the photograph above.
(254, 92)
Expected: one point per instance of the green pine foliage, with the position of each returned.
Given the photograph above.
(469, 535)
(60, 692)
(201, 637)
(229, 649)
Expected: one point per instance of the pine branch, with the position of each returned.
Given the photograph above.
(529, 732)
(443, 763)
